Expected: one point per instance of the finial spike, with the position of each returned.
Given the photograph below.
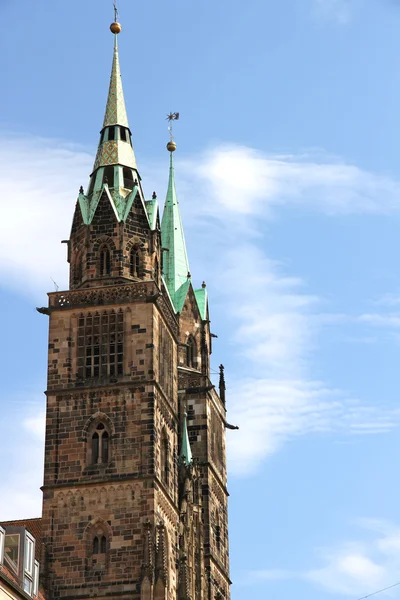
(173, 116)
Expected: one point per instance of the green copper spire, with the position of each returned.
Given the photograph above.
(175, 260)
(115, 109)
(186, 451)
(115, 147)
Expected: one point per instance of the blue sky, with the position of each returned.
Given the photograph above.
(289, 181)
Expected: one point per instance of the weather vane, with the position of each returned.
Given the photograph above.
(173, 116)
(115, 11)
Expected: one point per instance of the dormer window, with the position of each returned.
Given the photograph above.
(2, 541)
(29, 563)
(11, 551)
(36, 579)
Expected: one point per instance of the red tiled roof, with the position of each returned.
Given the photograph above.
(34, 526)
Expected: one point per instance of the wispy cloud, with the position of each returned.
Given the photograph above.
(278, 318)
(360, 565)
(22, 450)
(243, 181)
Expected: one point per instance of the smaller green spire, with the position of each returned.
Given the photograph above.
(186, 451)
(176, 264)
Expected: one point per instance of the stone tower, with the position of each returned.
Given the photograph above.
(134, 495)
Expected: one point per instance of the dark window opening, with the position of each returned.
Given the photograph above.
(95, 448)
(191, 353)
(96, 545)
(164, 459)
(101, 345)
(122, 131)
(103, 545)
(100, 446)
(105, 261)
(102, 136)
(104, 439)
(218, 536)
(108, 176)
(156, 270)
(134, 263)
(128, 178)
(111, 134)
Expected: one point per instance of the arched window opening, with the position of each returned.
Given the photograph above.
(191, 353)
(96, 545)
(100, 446)
(111, 134)
(134, 262)
(156, 271)
(77, 270)
(164, 458)
(128, 178)
(105, 261)
(105, 445)
(95, 448)
(122, 131)
(217, 531)
(98, 542)
(108, 176)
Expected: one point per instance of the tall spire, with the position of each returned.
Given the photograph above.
(115, 146)
(175, 261)
(115, 109)
(186, 451)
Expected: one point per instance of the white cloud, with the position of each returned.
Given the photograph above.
(361, 567)
(243, 181)
(278, 319)
(22, 451)
(39, 186)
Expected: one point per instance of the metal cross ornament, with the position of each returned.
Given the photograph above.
(115, 11)
(173, 116)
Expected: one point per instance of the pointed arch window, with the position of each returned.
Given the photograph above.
(128, 178)
(108, 176)
(98, 543)
(156, 270)
(164, 458)
(191, 352)
(77, 270)
(105, 261)
(217, 531)
(134, 262)
(100, 446)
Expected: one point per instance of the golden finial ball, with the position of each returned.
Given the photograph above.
(116, 27)
(171, 146)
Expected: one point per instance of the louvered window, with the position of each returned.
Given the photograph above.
(100, 344)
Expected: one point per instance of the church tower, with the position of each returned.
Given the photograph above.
(134, 495)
